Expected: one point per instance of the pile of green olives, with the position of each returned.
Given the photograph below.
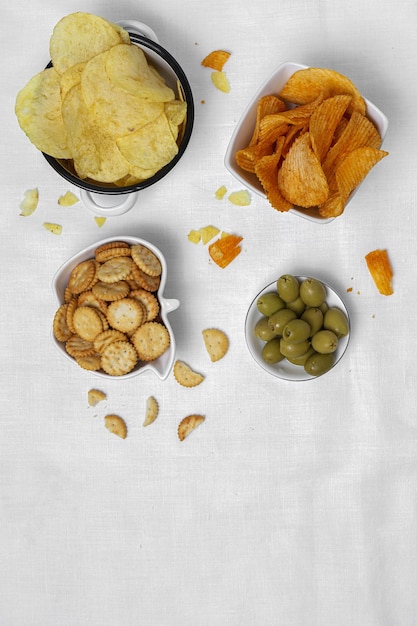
(298, 325)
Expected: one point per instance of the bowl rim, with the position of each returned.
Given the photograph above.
(109, 189)
(297, 371)
(167, 305)
(288, 68)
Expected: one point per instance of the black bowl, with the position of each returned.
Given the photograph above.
(174, 75)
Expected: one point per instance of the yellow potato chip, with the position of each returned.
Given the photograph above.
(307, 84)
(151, 147)
(301, 178)
(380, 269)
(95, 153)
(128, 68)
(78, 37)
(216, 59)
(220, 81)
(194, 236)
(38, 111)
(29, 203)
(100, 221)
(70, 78)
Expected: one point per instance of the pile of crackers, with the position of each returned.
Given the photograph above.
(109, 319)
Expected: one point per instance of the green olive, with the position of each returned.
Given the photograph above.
(336, 320)
(271, 352)
(269, 303)
(288, 287)
(297, 306)
(318, 364)
(301, 360)
(296, 331)
(325, 341)
(314, 317)
(312, 292)
(263, 330)
(293, 349)
(280, 319)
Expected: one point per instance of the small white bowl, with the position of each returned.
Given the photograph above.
(244, 129)
(161, 366)
(284, 369)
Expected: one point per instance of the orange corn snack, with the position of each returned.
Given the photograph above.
(225, 249)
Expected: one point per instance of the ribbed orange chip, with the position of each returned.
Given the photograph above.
(301, 178)
(306, 85)
(225, 249)
(380, 269)
(216, 59)
(324, 121)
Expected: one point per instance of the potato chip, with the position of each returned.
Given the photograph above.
(267, 105)
(70, 78)
(306, 85)
(80, 36)
(38, 111)
(220, 81)
(216, 59)
(381, 271)
(324, 121)
(151, 147)
(127, 67)
(29, 203)
(301, 178)
(355, 166)
(109, 106)
(267, 172)
(100, 221)
(95, 153)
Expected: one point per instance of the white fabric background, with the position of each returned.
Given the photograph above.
(293, 504)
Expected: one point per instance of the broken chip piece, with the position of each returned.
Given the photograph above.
(216, 59)
(380, 269)
(55, 229)
(225, 249)
(30, 202)
(68, 199)
(220, 81)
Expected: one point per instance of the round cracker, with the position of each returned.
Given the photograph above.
(146, 260)
(118, 358)
(126, 314)
(151, 340)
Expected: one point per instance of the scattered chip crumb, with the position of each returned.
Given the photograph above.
(221, 192)
(95, 396)
(349, 289)
(204, 234)
(68, 199)
(220, 81)
(100, 221)
(29, 203)
(240, 198)
(55, 229)
(152, 410)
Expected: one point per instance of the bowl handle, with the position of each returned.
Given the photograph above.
(111, 205)
(138, 28)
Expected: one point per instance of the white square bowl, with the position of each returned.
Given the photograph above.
(244, 130)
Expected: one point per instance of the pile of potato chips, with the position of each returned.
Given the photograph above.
(101, 105)
(313, 144)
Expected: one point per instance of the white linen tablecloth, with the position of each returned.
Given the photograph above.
(294, 504)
